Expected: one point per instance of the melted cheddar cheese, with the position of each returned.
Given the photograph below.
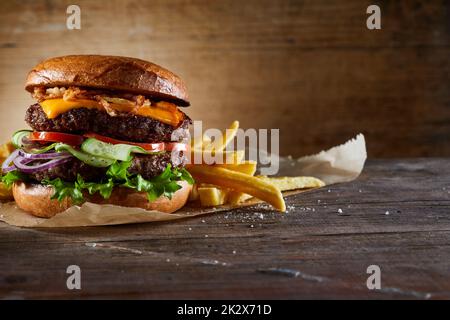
(161, 111)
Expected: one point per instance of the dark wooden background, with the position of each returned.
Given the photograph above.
(310, 68)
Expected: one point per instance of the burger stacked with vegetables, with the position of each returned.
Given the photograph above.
(105, 129)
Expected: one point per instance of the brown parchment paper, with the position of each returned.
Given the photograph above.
(339, 164)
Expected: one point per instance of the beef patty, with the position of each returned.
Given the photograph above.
(124, 126)
(148, 166)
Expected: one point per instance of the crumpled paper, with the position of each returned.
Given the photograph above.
(342, 163)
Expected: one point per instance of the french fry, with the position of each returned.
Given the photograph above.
(193, 196)
(200, 143)
(235, 197)
(239, 182)
(228, 136)
(220, 157)
(292, 183)
(210, 197)
(5, 193)
(5, 150)
(247, 167)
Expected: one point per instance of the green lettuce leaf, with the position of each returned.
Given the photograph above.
(11, 177)
(117, 175)
(64, 189)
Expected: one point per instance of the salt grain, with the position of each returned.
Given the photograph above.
(203, 221)
(234, 251)
(206, 236)
(386, 213)
(340, 210)
(190, 229)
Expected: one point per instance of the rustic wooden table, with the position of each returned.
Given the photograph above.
(396, 216)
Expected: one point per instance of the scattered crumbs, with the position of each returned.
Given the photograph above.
(260, 215)
(203, 221)
(234, 251)
(167, 260)
(290, 208)
(211, 262)
(206, 236)
(386, 213)
(340, 210)
(190, 229)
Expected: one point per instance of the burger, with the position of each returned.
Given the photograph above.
(105, 129)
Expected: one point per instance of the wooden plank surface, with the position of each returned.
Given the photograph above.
(312, 251)
(310, 68)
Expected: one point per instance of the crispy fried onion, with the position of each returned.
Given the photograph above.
(105, 98)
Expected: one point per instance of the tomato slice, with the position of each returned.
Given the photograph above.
(45, 136)
(176, 146)
(152, 147)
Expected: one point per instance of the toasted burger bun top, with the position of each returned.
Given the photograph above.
(36, 199)
(111, 73)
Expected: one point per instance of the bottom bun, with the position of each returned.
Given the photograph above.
(35, 199)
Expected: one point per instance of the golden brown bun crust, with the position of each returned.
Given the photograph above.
(109, 72)
(35, 199)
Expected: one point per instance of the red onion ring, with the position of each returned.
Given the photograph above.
(38, 167)
(43, 156)
(5, 165)
(8, 169)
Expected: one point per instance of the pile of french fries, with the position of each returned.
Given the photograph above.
(234, 182)
(5, 151)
